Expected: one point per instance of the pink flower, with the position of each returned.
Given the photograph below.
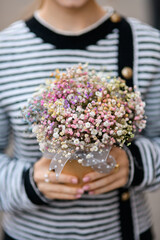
(136, 118)
(70, 132)
(42, 102)
(91, 120)
(74, 126)
(75, 120)
(78, 134)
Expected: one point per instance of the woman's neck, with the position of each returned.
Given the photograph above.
(71, 19)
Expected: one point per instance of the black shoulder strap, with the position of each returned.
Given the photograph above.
(125, 60)
(126, 56)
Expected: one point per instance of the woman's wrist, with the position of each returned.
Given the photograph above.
(31, 188)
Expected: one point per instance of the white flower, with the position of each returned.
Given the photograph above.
(56, 130)
(78, 71)
(143, 104)
(99, 94)
(105, 135)
(63, 127)
(119, 132)
(89, 155)
(106, 124)
(81, 116)
(42, 146)
(58, 118)
(76, 141)
(94, 148)
(79, 109)
(119, 114)
(35, 128)
(141, 125)
(56, 135)
(89, 105)
(69, 119)
(92, 114)
(138, 111)
(87, 125)
(113, 102)
(79, 90)
(94, 132)
(104, 140)
(64, 146)
(74, 116)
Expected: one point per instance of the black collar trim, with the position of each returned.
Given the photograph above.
(61, 41)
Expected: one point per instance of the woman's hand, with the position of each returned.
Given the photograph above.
(97, 183)
(55, 189)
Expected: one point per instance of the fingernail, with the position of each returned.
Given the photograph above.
(74, 180)
(80, 191)
(85, 188)
(86, 179)
(78, 195)
(91, 193)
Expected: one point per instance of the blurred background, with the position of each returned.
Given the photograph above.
(146, 10)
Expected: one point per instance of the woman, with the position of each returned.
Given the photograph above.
(109, 206)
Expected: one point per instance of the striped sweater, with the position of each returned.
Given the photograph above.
(29, 52)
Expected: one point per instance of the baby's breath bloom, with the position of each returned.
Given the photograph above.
(94, 148)
(87, 125)
(119, 132)
(76, 141)
(56, 135)
(94, 131)
(99, 94)
(56, 130)
(85, 110)
(82, 116)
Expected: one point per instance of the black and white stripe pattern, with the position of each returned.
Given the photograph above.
(25, 62)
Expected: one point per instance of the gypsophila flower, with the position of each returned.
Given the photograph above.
(94, 132)
(119, 132)
(56, 135)
(76, 141)
(87, 125)
(56, 130)
(92, 114)
(94, 149)
(81, 109)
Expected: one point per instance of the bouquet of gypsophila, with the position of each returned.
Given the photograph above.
(78, 114)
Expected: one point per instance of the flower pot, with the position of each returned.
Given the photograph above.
(72, 167)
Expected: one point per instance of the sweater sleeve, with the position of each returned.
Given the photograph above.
(145, 149)
(145, 163)
(13, 173)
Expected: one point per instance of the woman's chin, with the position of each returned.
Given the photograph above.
(72, 3)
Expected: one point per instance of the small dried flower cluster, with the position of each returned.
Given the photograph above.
(78, 110)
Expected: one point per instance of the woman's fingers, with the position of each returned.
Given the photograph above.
(50, 186)
(63, 196)
(63, 178)
(39, 176)
(108, 188)
(93, 176)
(58, 188)
(90, 177)
(106, 180)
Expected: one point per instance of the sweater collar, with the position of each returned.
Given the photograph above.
(81, 40)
